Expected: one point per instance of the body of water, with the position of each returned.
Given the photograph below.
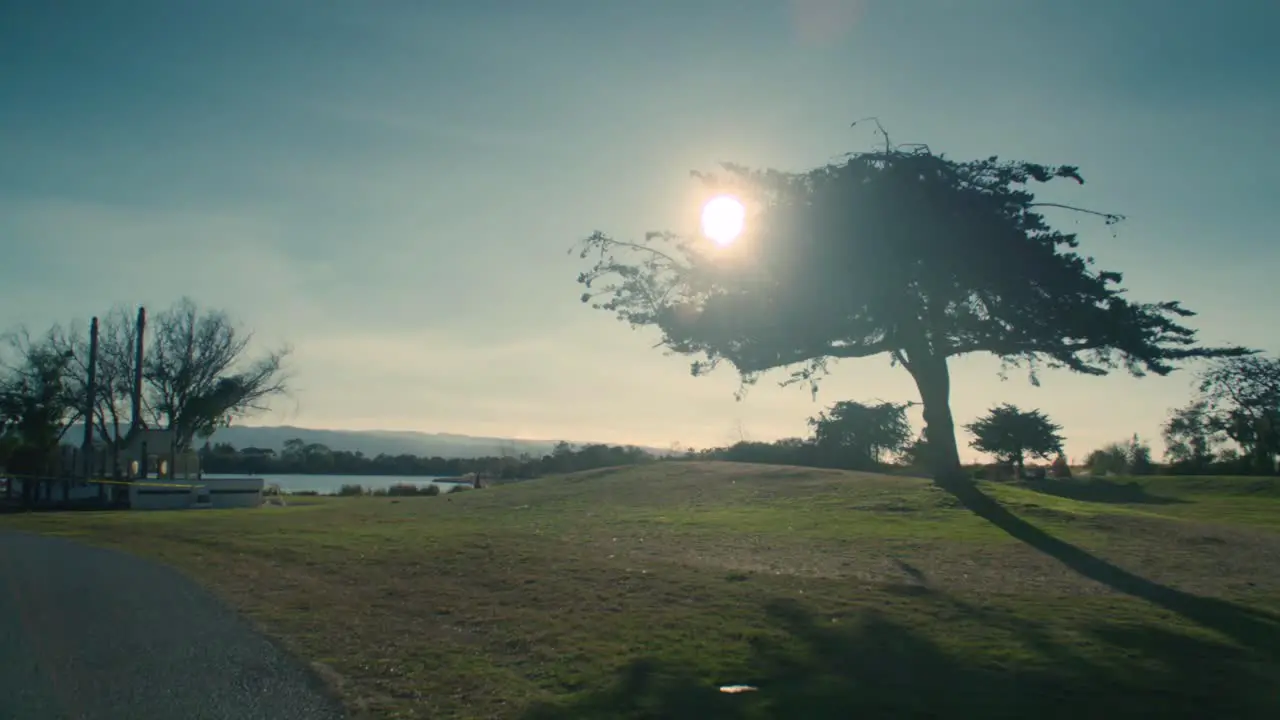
(332, 483)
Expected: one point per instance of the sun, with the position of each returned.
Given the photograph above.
(722, 219)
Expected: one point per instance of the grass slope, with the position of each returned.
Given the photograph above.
(637, 592)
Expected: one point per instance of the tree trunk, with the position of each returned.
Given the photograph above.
(933, 380)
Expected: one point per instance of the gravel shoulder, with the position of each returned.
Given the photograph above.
(89, 633)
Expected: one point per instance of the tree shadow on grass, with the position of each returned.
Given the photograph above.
(875, 667)
(1099, 491)
(1249, 627)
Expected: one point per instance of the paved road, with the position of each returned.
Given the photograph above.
(93, 634)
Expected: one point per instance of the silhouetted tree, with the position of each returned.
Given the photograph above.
(198, 376)
(37, 400)
(1132, 456)
(1060, 468)
(1241, 397)
(1190, 436)
(1138, 455)
(916, 453)
(859, 435)
(1108, 459)
(294, 450)
(112, 406)
(900, 252)
(317, 458)
(1011, 434)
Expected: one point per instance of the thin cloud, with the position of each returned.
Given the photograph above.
(824, 22)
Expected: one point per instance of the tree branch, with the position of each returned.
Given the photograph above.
(1111, 218)
(848, 352)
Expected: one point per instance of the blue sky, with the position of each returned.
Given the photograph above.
(391, 186)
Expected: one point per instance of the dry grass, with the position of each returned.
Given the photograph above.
(633, 592)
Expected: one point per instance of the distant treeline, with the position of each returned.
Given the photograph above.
(299, 457)
(1232, 427)
(316, 459)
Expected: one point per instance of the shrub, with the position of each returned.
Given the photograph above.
(409, 489)
(1132, 457)
(999, 472)
(1138, 456)
(1060, 468)
(1111, 459)
(350, 490)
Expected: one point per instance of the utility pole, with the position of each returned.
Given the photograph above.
(136, 421)
(91, 395)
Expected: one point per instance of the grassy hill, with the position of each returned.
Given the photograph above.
(638, 592)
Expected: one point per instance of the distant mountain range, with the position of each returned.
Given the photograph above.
(377, 442)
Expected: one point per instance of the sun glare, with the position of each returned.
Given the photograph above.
(722, 219)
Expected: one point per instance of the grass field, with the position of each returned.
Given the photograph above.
(638, 592)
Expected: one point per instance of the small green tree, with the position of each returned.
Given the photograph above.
(859, 435)
(1011, 434)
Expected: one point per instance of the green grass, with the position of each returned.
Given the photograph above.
(637, 592)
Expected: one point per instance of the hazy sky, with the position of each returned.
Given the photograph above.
(391, 186)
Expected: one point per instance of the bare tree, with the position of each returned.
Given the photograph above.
(198, 376)
(113, 391)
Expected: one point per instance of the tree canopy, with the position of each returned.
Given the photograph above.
(114, 374)
(1240, 398)
(862, 433)
(199, 375)
(1191, 436)
(37, 401)
(1131, 457)
(198, 372)
(900, 252)
(1010, 434)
